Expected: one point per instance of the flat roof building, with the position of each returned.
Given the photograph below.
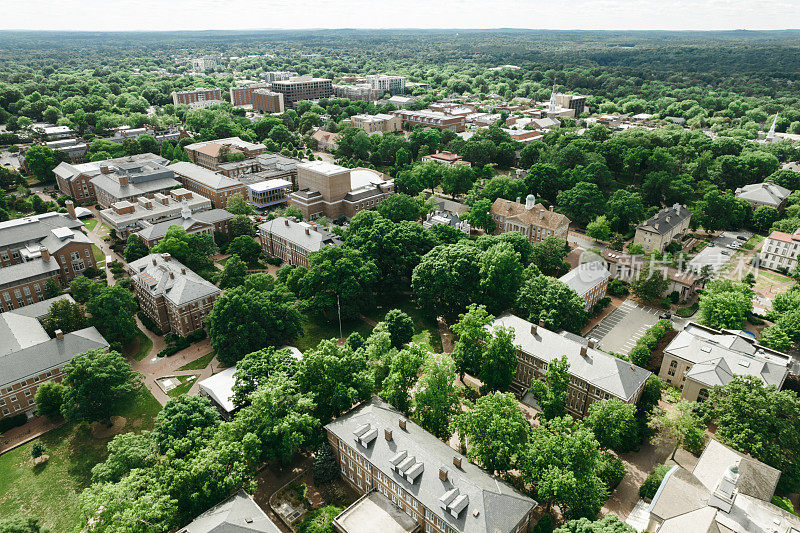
(430, 119)
(204, 182)
(267, 101)
(207, 222)
(127, 217)
(293, 242)
(303, 88)
(242, 94)
(199, 97)
(380, 123)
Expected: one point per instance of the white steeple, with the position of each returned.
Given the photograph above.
(186, 211)
(771, 133)
(551, 108)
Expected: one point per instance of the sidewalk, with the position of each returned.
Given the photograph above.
(20, 435)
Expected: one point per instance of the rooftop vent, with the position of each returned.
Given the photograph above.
(583, 351)
(744, 362)
(454, 502)
(59, 335)
(705, 348)
(365, 435)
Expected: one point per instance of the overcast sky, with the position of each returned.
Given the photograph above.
(292, 14)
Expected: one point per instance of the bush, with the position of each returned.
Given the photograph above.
(12, 422)
(600, 305)
(544, 525)
(319, 520)
(149, 323)
(274, 261)
(666, 303)
(648, 489)
(611, 471)
(784, 503)
(617, 287)
(38, 449)
(92, 272)
(325, 469)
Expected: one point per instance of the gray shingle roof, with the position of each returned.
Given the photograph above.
(34, 228)
(666, 219)
(295, 232)
(493, 506)
(202, 175)
(69, 172)
(237, 514)
(201, 218)
(183, 287)
(767, 193)
(585, 277)
(16, 274)
(611, 374)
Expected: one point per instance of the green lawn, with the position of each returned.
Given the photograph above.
(139, 347)
(199, 363)
(184, 387)
(50, 491)
(426, 332)
(753, 242)
(90, 224)
(315, 330)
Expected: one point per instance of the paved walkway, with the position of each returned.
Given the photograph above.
(20, 435)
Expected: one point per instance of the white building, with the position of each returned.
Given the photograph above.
(779, 251)
(390, 84)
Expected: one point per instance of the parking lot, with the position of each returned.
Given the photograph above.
(620, 330)
(718, 254)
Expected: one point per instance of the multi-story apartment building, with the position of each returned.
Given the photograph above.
(242, 93)
(197, 97)
(589, 281)
(335, 191)
(666, 226)
(360, 91)
(278, 75)
(205, 63)
(36, 248)
(267, 101)
(207, 222)
(303, 88)
(292, 242)
(430, 119)
(779, 251)
(700, 358)
(75, 180)
(380, 123)
(378, 449)
(174, 297)
(210, 154)
(594, 374)
(202, 181)
(29, 357)
(129, 217)
(387, 84)
(533, 220)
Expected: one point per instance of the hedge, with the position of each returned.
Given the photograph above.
(643, 350)
(12, 422)
(650, 486)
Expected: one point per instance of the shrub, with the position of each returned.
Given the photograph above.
(319, 520)
(38, 449)
(325, 469)
(149, 323)
(617, 287)
(784, 503)
(12, 422)
(611, 471)
(544, 525)
(648, 489)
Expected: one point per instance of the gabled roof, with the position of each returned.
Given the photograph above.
(181, 287)
(768, 193)
(604, 371)
(492, 506)
(237, 514)
(16, 274)
(307, 236)
(219, 387)
(665, 220)
(202, 175)
(539, 215)
(34, 228)
(585, 277)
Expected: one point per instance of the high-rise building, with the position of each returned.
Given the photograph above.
(243, 94)
(197, 97)
(267, 101)
(278, 75)
(390, 84)
(303, 88)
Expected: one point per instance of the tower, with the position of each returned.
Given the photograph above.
(551, 107)
(771, 133)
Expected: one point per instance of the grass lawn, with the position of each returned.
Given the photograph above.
(99, 256)
(316, 330)
(199, 363)
(90, 224)
(184, 387)
(753, 242)
(139, 347)
(426, 332)
(50, 491)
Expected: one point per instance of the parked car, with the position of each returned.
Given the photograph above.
(741, 238)
(725, 252)
(711, 245)
(665, 316)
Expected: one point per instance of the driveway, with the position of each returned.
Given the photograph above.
(620, 330)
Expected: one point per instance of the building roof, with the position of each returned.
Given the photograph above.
(375, 512)
(16, 274)
(238, 514)
(604, 371)
(717, 355)
(269, 185)
(180, 288)
(201, 218)
(539, 215)
(325, 136)
(323, 167)
(69, 172)
(585, 277)
(311, 237)
(785, 237)
(767, 193)
(666, 220)
(447, 157)
(34, 228)
(219, 387)
(157, 209)
(202, 175)
(228, 141)
(485, 503)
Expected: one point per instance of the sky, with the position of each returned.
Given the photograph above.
(165, 15)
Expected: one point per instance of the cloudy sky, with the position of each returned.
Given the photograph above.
(543, 14)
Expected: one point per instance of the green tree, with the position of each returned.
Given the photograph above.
(599, 228)
(725, 304)
(49, 398)
(83, 288)
(608, 524)
(238, 205)
(446, 279)
(241, 225)
(582, 203)
(551, 394)
(98, 384)
(64, 315)
(135, 248)
(51, 288)
(501, 276)
(763, 218)
(403, 373)
(499, 362)
(548, 299)
(623, 209)
(41, 160)
(457, 179)
(246, 247)
(480, 215)
(233, 274)
(400, 326)
(776, 338)
(614, 424)
(679, 425)
(336, 377)
(561, 461)
(495, 432)
(649, 287)
(18, 524)
(320, 520)
(435, 398)
(113, 313)
(256, 367)
(399, 207)
(192, 249)
(245, 320)
(548, 255)
(472, 336)
(325, 468)
(180, 416)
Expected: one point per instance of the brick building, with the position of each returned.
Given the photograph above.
(594, 374)
(589, 281)
(267, 101)
(29, 357)
(292, 242)
(197, 96)
(430, 119)
(303, 88)
(174, 297)
(203, 222)
(210, 154)
(668, 225)
(378, 449)
(202, 181)
(381, 122)
(533, 220)
(242, 95)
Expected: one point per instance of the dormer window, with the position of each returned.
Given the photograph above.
(365, 435)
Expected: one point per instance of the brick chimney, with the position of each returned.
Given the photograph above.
(166, 257)
(442, 473)
(387, 433)
(533, 329)
(104, 169)
(583, 351)
(154, 261)
(45, 253)
(123, 181)
(172, 275)
(541, 322)
(402, 423)
(59, 335)
(457, 461)
(70, 205)
(183, 271)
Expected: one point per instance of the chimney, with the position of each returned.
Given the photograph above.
(45, 253)
(583, 351)
(123, 181)
(59, 335)
(70, 205)
(402, 423)
(154, 261)
(592, 343)
(183, 271)
(387, 433)
(533, 329)
(286, 222)
(541, 322)
(457, 461)
(104, 169)
(308, 232)
(551, 208)
(172, 275)
(166, 257)
(519, 200)
(442, 473)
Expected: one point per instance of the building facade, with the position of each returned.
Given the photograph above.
(533, 220)
(202, 181)
(589, 281)
(210, 154)
(380, 123)
(779, 251)
(303, 88)
(174, 297)
(357, 92)
(197, 96)
(209, 222)
(377, 449)
(293, 242)
(267, 101)
(242, 95)
(668, 225)
(594, 375)
(129, 217)
(387, 84)
(430, 119)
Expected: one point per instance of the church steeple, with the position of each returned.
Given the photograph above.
(771, 133)
(551, 107)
